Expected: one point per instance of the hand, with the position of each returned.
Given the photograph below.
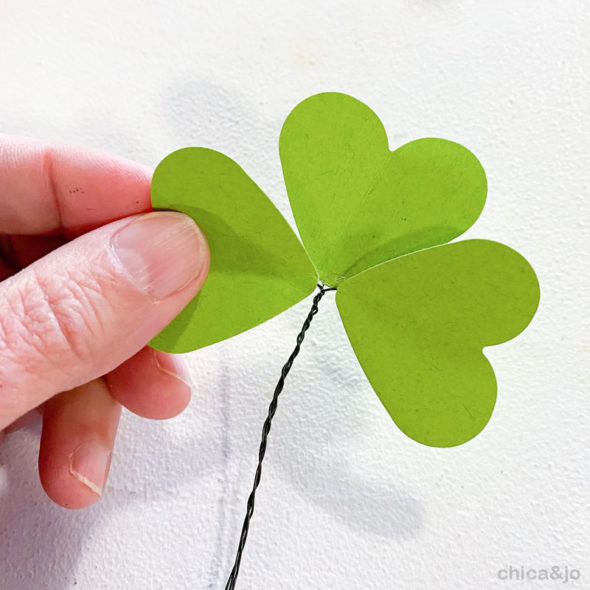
(87, 277)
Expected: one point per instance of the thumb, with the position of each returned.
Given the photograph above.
(86, 307)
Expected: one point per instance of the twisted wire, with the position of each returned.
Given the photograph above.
(272, 408)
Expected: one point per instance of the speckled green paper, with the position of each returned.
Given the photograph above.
(258, 266)
(375, 224)
(356, 203)
(418, 324)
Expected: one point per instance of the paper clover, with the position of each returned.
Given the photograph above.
(375, 225)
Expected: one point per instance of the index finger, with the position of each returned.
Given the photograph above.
(49, 188)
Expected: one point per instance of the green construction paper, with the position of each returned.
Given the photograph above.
(358, 204)
(258, 266)
(418, 313)
(418, 325)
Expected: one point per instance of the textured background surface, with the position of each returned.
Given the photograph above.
(347, 502)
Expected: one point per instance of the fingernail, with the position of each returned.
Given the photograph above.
(174, 367)
(89, 463)
(162, 252)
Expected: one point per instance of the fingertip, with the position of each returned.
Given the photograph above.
(151, 384)
(79, 428)
(64, 488)
(162, 253)
(172, 365)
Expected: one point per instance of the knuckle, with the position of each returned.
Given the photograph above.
(52, 318)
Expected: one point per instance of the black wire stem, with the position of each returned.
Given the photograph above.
(272, 408)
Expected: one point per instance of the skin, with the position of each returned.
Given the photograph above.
(103, 363)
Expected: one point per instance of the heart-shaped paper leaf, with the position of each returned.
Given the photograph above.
(358, 204)
(418, 325)
(258, 266)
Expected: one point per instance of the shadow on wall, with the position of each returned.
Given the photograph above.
(323, 438)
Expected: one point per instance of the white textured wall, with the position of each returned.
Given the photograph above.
(347, 501)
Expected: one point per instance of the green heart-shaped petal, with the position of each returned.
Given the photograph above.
(358, 204)
(418, 325)
(258, 266)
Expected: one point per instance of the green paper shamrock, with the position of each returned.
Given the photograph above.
(376, 225)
